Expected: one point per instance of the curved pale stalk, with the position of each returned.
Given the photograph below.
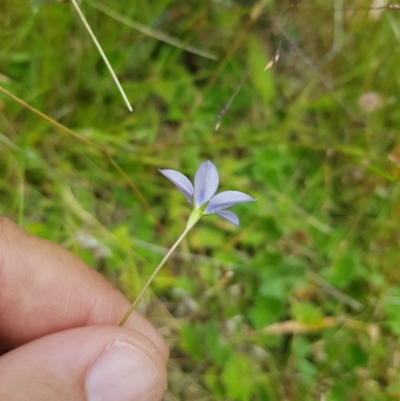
(102, 54)
(193, 219)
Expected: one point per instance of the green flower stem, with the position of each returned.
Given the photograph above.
(193, 219)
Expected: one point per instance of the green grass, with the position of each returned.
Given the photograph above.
(301, 302)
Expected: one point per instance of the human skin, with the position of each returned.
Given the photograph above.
(59, 333)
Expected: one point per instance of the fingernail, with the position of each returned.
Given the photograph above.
(123, 373)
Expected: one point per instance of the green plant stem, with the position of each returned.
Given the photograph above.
(194, 217)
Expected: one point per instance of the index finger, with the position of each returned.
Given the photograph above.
(44, 289)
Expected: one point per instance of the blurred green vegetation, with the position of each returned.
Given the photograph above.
(302, 301)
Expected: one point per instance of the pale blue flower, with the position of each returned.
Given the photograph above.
(201, 195)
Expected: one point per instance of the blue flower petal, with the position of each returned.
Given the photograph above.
(227, 199)
(230, 216)
(205, 183)
(181, 181)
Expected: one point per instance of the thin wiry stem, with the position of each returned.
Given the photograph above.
(150, 279)
(87, 26)
(310, 65)
(231, 99)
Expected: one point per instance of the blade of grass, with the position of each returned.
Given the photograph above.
(161, 36)
(105, 153)
(92, 35)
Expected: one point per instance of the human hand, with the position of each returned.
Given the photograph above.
(58, 329)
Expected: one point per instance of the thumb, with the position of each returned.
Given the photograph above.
(97, 363)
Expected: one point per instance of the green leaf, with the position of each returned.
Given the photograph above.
(266, 310)
(202, 340)
(275, 287)
(391, 306)
(344, 269)
(238, 378)
(191, 338)
(186, 283)
(355, 357)
(262, 80)
(212, 378)
(306, 313)
(307, 371)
